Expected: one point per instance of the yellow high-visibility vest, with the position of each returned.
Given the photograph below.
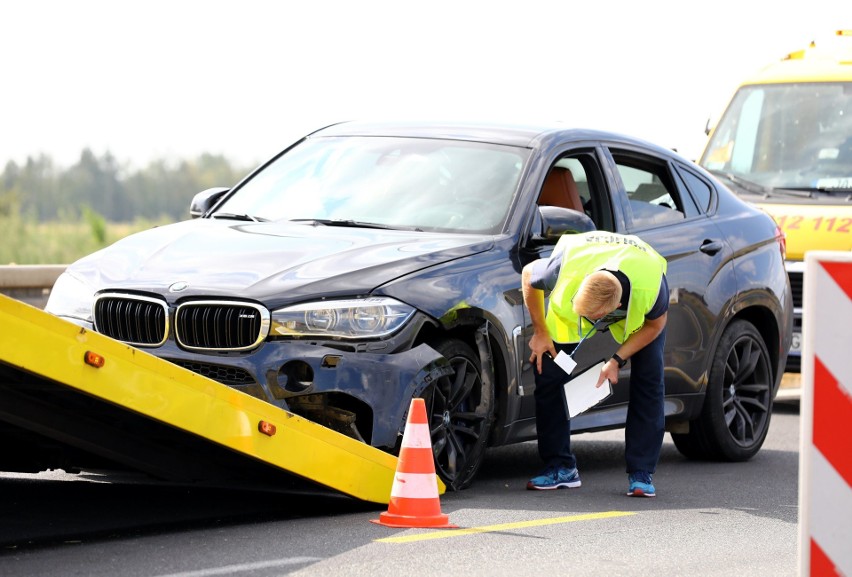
(585, 253)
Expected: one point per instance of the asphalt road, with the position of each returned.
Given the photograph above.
(708, 519)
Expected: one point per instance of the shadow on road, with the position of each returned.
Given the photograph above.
(38, 510)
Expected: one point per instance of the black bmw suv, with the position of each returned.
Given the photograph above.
(371, 263)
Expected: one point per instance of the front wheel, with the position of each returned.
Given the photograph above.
(738, 402)
(460, 408)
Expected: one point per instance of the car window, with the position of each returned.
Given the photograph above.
(653, 197)
(699, 188)
(575, 182)
(408, 183)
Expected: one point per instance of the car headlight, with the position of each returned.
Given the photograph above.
(344, 319)
(70, 297)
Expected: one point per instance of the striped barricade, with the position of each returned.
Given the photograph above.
(825, 458)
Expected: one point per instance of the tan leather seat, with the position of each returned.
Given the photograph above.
(560, 190)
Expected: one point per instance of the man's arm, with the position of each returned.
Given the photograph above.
(649, 331)
(540, 343)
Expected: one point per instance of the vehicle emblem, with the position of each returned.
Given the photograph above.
(178, 286)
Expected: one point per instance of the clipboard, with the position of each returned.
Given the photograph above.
(580, 392)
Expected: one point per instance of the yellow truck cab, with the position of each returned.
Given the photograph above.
(784, 143)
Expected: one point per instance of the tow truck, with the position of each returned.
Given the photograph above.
(76, 400)
(784, 143)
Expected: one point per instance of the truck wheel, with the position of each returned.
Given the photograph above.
(738, 402)
(460, 409)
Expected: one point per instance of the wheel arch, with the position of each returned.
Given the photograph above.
(758, 308)
(737, 405)
(764, 321)
(496, 358)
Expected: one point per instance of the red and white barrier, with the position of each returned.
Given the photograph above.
(825, 458)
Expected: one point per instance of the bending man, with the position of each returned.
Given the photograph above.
(599, 281)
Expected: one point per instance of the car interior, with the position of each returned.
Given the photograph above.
(560, 189)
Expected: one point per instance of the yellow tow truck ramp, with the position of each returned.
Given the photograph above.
(74, 399)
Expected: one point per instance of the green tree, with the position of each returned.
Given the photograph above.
(94, 182)
(33, 185)
(54, 215)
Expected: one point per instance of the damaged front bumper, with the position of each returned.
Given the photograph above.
(359, 389)
(363, 394)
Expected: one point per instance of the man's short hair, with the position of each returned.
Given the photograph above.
(599, 291)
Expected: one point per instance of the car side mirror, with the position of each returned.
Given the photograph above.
(204, 200)
(553, 221)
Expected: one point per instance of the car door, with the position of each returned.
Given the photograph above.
(671, 208)
(586, 169)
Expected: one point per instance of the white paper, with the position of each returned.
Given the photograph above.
(565, 361)
(581, 394)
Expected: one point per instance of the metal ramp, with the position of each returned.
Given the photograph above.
(58, 409)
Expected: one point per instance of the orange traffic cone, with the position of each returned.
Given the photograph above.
(414, 496)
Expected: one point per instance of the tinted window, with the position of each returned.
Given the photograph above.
(589, 183)
(700, 189)
(653, 197)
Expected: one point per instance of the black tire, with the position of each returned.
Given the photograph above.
(738, 403)
(460, 409)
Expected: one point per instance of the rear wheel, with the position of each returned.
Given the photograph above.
(738, 403)
(459, 407)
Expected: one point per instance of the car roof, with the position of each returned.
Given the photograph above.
(532, 135)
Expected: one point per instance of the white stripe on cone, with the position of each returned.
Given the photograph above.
(415, 486)
(417, 436)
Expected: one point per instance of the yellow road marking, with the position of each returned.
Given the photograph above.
(504, 527)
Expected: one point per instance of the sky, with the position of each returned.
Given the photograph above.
(174, 79)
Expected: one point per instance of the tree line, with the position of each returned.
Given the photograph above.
(39, 190)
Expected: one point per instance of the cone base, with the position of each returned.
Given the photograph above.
(408, 522)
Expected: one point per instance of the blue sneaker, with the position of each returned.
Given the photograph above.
(555, 477)
(641, 485)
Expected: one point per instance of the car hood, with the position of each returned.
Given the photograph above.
(271, 262)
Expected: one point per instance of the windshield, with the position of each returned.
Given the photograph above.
(406, 183)
(786, 136)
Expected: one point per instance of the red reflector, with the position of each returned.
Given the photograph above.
(266, 428)
(94, 359)
(781, 238)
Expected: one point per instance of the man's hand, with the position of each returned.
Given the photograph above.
(541, 344)
(635, 342)
(609, 371)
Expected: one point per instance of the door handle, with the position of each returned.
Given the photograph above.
(710, 247)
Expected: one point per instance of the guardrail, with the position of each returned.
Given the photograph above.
(29, 283)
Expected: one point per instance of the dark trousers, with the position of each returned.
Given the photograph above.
(645, 427)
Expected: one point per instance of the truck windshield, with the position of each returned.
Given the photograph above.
(795, 136)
